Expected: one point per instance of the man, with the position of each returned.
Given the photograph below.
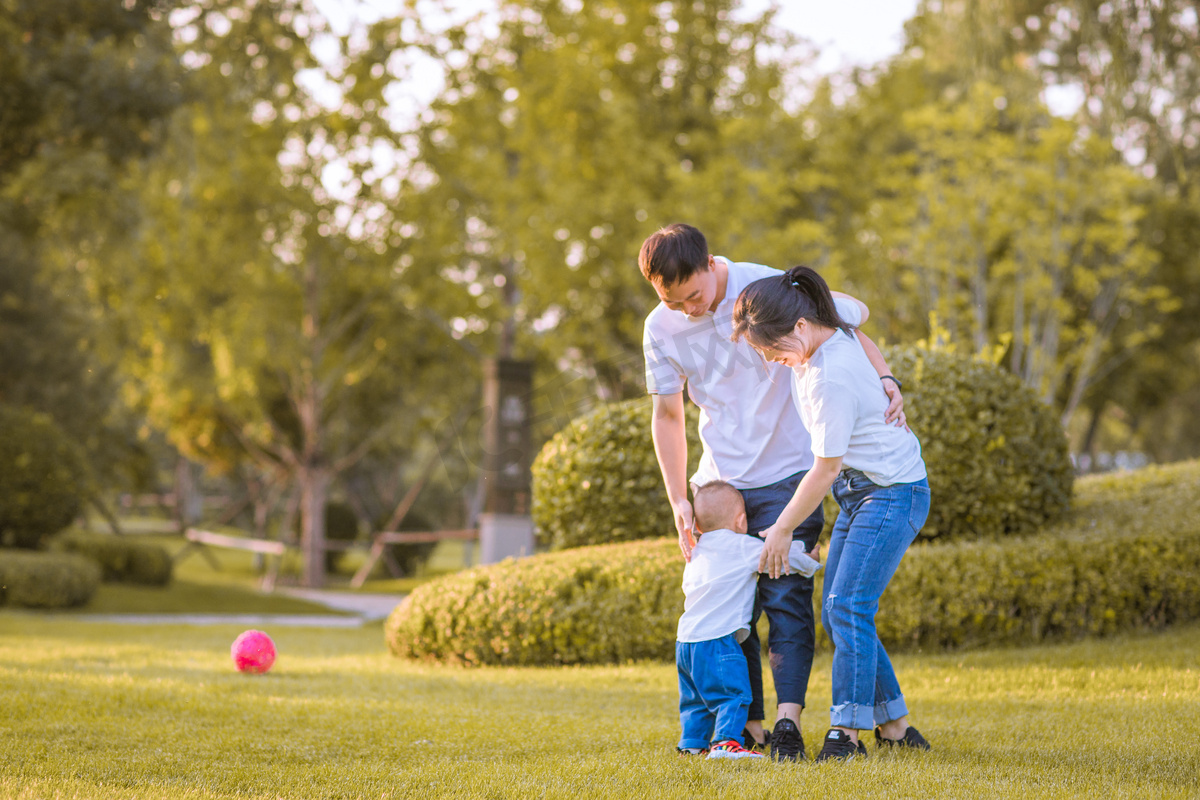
(752, 438)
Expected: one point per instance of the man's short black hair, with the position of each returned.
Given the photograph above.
(673, 254)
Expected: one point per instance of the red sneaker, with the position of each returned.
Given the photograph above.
(730, 748)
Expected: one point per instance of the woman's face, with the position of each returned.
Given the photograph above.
(793, 350)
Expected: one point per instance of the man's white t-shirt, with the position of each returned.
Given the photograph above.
(749, 428)
(842, 403)
(719, 584)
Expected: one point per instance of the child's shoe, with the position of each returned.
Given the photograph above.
(691, 751)
(730, 748)
(756, 746)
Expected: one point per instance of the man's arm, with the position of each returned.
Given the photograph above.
(895, 409)
(668, 428)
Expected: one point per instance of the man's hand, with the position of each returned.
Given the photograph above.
(895, 410)
(774, 558)
(685, 525)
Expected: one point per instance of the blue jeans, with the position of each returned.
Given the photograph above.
(787, 600)
(876, 526)
(713, 691)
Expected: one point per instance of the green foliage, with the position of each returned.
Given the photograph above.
(996, 455)
(85, 86)
(597, 480)
(122, 559)
(1126, 559)
(47, 580)
(42, 478)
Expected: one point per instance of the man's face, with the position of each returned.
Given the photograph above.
(693, 297)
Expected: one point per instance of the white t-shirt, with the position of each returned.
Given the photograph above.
(719, 584)
(749, 429)
(842, 402)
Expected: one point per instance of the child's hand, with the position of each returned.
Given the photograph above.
(815, 553)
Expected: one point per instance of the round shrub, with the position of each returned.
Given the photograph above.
(47, 580)
(597, 480)
(42, 478)
(997, 456)
(120, 558)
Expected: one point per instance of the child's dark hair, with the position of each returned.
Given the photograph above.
(673, 254)
(768, 309)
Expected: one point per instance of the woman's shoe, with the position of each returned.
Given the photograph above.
(911, 738)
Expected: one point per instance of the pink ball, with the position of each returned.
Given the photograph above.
(253, 651)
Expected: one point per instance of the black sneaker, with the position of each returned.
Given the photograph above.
(758, 747)
(911, 738)
(839, 746)
(786, 742)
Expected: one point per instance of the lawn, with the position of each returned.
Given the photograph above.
(110, 711)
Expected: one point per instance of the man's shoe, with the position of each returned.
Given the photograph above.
(786, 742)
(730, 748)
(911, 738)
(839, 746)
(758, 747)
(691, 751)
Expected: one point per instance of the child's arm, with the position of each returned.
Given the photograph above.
(804, 563)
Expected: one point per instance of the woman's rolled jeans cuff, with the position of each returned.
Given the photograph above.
(862, 718)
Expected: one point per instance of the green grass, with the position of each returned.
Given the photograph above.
(106, 711)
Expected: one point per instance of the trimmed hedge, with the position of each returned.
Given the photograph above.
(1128, 557)
(597, 481)
(121, 559)
(997, 456)
(47, 580)
(591, 605)
(42, 478)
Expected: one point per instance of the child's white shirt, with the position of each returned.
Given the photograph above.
(719, 584)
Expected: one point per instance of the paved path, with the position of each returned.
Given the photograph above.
(363, 607)
(367, 606)
(249, 620)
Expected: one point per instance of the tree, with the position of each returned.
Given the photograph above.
(1132, 66)
(564, 139)
(259, 324)
(85, 87)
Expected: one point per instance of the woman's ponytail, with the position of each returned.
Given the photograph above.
(810, 282)
(768, 309)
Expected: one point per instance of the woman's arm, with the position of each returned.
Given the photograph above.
(809, 494)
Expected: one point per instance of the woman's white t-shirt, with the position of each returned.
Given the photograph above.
(842, 402)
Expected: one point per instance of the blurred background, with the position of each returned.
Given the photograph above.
(255, 255)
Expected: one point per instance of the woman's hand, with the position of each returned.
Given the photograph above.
(774, 558)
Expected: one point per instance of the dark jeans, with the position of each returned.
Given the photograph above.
(787, 600)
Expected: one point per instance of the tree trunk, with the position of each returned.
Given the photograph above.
(314, 491)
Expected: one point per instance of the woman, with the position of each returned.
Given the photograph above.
(878, 479)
